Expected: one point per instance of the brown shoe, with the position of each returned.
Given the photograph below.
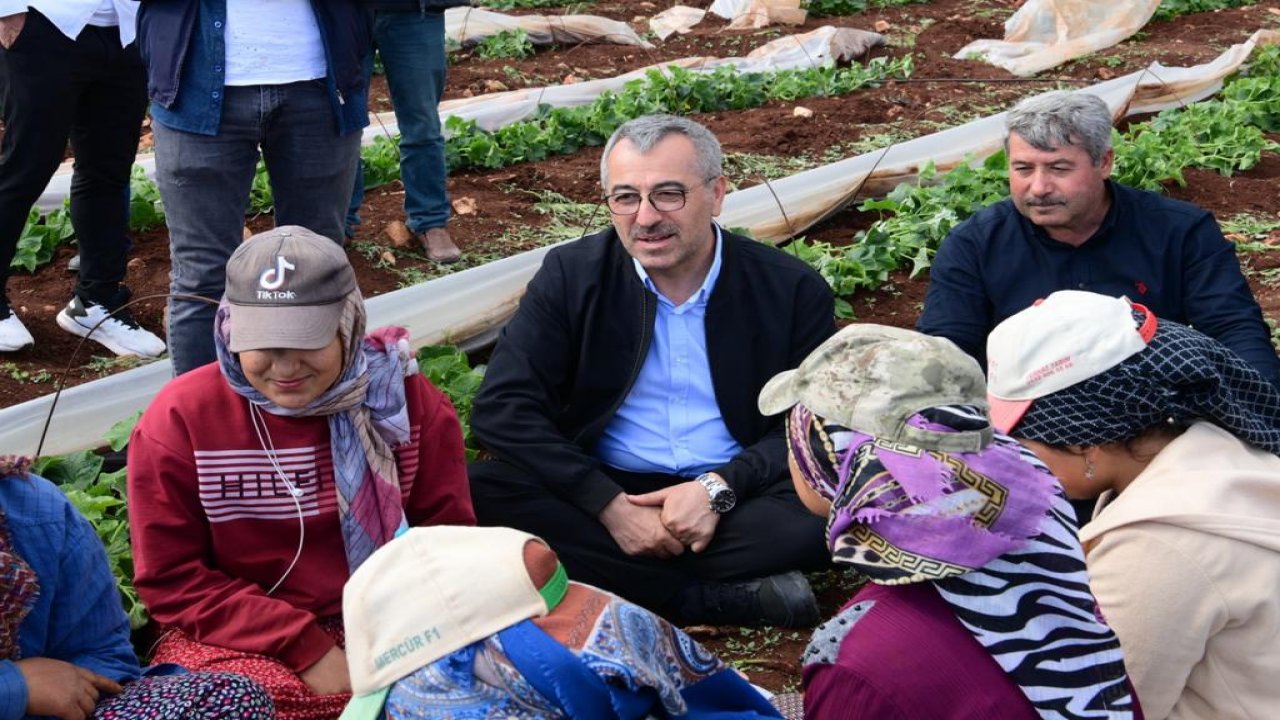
(439, 245)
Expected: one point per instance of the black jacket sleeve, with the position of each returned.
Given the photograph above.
(764, 462)
(1218, 301)
(525, 388)
(956, 305)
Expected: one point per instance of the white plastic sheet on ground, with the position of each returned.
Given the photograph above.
(472, 304)
(803, 50)
(494, 110)
(788, 206)
(1046, 33)
(468, 26)
(675, 19)
(758, 13)
(763, 13)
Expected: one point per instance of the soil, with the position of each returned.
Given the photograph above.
(941, 90)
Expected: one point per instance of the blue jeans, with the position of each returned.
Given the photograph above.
(411, 44)
(204, 182)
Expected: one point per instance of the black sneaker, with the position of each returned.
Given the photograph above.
(784, 600)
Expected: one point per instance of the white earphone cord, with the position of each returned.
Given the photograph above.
(255, 416)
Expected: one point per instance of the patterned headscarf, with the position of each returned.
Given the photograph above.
(1181, 376)
(367, 415)
(992, 530)
(19, 585)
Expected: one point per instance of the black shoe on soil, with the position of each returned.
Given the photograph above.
(784, 600)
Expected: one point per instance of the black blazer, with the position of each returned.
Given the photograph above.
(568, 358)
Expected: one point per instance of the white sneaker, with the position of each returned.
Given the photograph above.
(13, 334)
(120, 333)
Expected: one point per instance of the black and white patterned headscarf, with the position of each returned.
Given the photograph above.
(1180, 377)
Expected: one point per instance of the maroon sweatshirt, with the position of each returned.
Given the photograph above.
(214, 526)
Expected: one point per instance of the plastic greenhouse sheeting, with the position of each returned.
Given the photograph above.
(468, 306)
(468, 26)
(494, 110)
(1046, 33)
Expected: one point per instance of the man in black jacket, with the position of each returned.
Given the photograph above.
(620, 400)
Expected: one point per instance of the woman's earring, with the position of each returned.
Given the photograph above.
(1088, 468)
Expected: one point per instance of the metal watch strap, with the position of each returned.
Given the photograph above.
(720, 496)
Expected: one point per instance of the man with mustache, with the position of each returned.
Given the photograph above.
(1067, 226)
(618, 402)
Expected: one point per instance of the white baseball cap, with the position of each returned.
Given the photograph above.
(429, 592)
(1066, 338)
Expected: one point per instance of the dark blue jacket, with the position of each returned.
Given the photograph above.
(1166, 254)
(182, 45)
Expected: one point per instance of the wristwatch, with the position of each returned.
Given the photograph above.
(721, 495)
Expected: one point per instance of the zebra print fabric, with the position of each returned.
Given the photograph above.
(1024, 595)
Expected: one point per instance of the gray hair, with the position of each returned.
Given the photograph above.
(1062, 117)
(646, 131)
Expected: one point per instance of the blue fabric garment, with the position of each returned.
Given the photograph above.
(581, 691)
(670, 421)
(1168, 255)
(411, 43)
(184, 51)
(77, 616)
(632, 665)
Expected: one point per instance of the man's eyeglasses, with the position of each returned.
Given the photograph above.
(664, 199)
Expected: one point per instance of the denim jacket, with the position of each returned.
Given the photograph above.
(182, 44)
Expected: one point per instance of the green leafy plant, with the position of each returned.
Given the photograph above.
(41, 236)
(1170, 9)
(675, 90)
(505, 44)
(22, 375)
(381, 161)
(449, 370)
(821, 8)
(100, 497)
(260, 199)
(146, 210)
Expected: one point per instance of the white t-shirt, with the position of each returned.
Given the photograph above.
(71, 16)
(272, 42)
(105, 15)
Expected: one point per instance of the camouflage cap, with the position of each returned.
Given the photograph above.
(874, 378)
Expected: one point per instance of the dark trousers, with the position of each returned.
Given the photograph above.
(763, 535)
(89, 91)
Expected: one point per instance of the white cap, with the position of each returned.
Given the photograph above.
(425, 594)
(1063, 339)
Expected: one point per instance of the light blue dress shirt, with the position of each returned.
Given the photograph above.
(670, 422)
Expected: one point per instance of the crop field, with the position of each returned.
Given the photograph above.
(536, 182)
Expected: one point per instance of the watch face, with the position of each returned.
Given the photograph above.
(723, 500)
